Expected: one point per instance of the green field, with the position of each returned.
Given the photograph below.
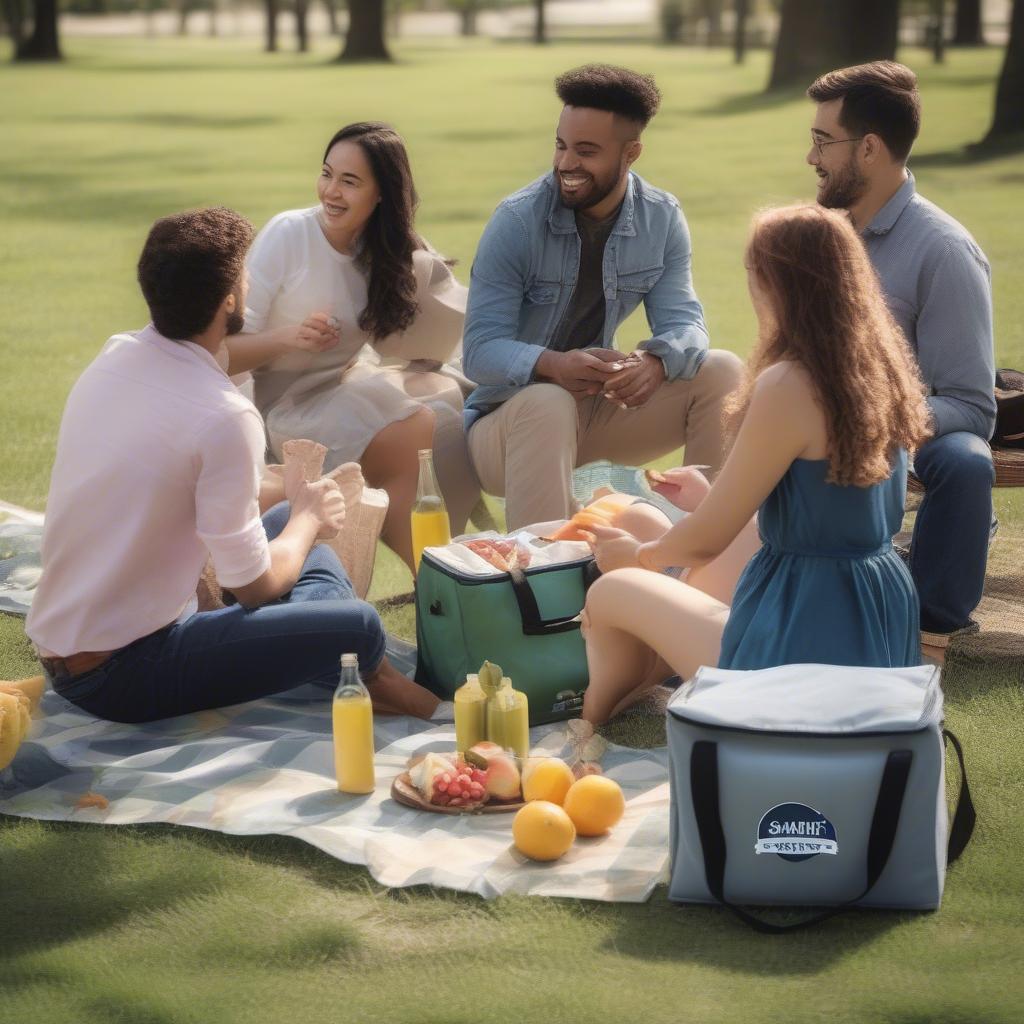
(156, 924)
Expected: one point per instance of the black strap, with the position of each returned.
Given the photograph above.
(529, 612)
(964, 817)
(704, 790)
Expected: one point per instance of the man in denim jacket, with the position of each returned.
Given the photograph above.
(560, 265)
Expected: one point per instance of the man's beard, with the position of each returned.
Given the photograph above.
(236, 319)
(843, 187)
(235, 322)
(598, 192)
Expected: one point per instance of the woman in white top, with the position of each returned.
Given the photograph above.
(367, 373)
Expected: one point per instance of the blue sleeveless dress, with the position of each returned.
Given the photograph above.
(827, 586)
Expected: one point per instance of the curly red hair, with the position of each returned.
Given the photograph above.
(830, 316)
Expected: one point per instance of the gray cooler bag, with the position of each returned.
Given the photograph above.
(811, 785)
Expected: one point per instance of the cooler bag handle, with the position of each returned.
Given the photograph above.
(964, 817)
(529, 612)
(704, 790)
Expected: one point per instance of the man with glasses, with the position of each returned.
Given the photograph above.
(938, 285)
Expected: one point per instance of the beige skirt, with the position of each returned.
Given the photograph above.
(349, 413)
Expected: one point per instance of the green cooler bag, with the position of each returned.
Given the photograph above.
(525, 621)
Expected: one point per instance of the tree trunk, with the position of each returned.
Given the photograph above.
(43, 44)
(1009, 113)
(365, 38)
(968, 30)
(712, 11)
(212, 27)
(271, 8)
(739, 44)
(540, 28)
(184, 9)
(301, 25)
(815, 37)
(673, 18)
(467, 18)
(332, 16)
(14, 15)
(938, 30)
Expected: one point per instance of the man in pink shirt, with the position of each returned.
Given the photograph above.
(158, 469)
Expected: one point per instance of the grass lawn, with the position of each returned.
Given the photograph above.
(157, 924)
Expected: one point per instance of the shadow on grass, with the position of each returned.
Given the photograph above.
(170, 120)
(973, 154)
(484, 135)
(666, 932)
(751, 103)
(63, 884)
(949, 1016)
(968, 81)
(259, 63)
(84, 205)
(94, 885)
(654, 931)
(970, 674)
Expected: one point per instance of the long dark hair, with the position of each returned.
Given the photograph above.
(389, 238)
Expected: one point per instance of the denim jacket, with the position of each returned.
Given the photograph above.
(525, 273)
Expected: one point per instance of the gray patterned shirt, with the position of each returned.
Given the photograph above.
(937, 283)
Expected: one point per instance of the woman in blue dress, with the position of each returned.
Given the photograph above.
(822, 427)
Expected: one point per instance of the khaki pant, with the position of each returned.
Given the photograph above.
(528, 447)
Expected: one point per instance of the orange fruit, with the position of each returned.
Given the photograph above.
(547, 778)
(542, 830)
(595, 803)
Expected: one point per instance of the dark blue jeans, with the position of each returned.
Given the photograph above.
(232, 655)
(949, 551)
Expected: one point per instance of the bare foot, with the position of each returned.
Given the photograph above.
(394, 694)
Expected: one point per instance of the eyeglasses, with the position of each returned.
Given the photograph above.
(820, 146)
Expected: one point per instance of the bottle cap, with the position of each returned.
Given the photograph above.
(350, 660)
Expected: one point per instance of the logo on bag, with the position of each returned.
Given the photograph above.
(568, 700)
(795, 832)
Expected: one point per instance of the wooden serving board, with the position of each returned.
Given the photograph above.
(404, 792)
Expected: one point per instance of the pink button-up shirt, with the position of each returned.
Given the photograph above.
(158, 467)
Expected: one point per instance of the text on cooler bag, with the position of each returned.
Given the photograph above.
(795, 832)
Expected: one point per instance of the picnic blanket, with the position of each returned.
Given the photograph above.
(21, 535)
(267, 767)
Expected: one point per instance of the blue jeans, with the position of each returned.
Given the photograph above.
(234, 654)
(949, 550)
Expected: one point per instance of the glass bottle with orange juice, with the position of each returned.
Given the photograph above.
(353, 730)
(430, 525)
